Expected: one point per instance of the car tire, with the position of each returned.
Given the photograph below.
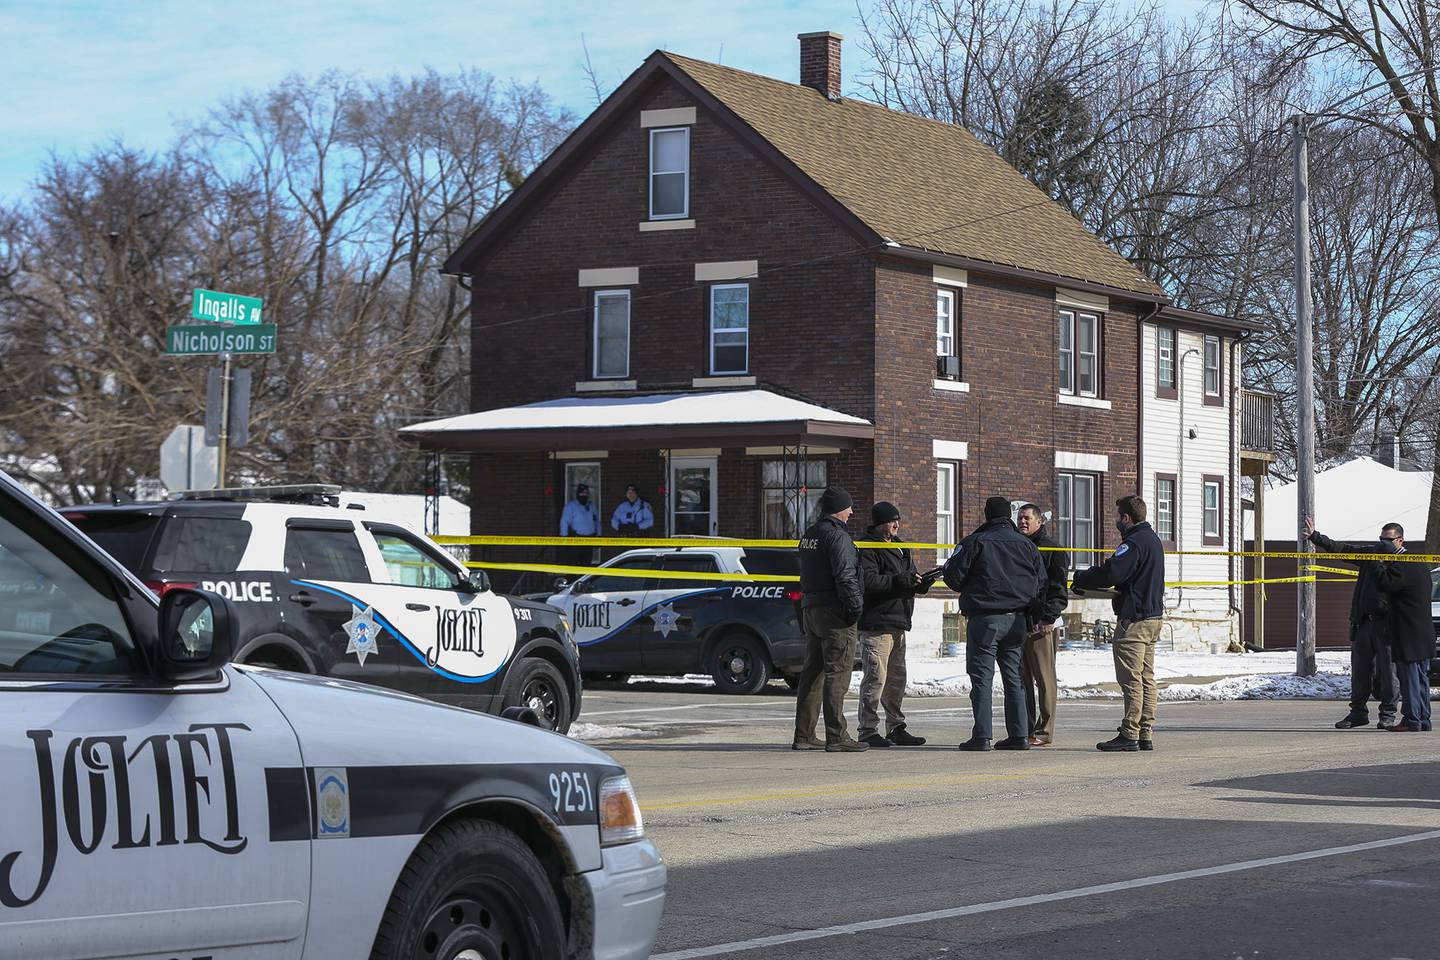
(535, 683)
(472, 885)
(740, 664)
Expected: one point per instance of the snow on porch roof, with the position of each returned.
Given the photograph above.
(642, 420)
(1352, 501)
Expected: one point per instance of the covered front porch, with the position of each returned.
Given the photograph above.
(734, 463)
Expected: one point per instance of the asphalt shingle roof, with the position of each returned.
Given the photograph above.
(919, 182)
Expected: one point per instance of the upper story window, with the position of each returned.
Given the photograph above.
(730, 328)
(1165, 386)
(947, 334)
(1213, 395)
(1079, 353)
(612, 334)
(670, 173)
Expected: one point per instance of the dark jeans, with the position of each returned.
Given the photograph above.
(829, 654)
(1372, 672)
(990, 637)
(1415, 692)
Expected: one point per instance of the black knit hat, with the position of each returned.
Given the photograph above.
(883, 512)
(833, 500)
(997, 507)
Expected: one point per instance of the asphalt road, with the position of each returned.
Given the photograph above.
(1254, 830)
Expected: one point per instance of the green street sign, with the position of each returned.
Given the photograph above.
(189, 339)
(224, 307)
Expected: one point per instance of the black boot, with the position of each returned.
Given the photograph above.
(976, 745)
(1013, 743)
(904, 738)
(875, 740)
(1119, 745)
(1351, 722)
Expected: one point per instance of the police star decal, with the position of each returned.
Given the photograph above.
(363, 632)
(665, 619)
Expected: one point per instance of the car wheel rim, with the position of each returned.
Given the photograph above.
(480, 922)
(736, 664)
(539, 695)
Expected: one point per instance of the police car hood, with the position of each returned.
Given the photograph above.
(341, 723)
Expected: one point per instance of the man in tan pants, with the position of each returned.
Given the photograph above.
(1037, 665)
(1137, 572)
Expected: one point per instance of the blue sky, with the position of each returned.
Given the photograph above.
(80, 72)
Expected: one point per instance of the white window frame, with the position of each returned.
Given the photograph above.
(1218, 368)
(1070, 328)
(942, 334)
(1165, 510)
(1207, 511)
(685, 209)
(1167, 340)
(714, 370)
(595, 334)
(1080, 555)
(947, 474)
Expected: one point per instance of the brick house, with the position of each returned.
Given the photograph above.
(732, 290)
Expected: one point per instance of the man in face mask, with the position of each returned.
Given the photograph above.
(1372, 668)
(1137, 572)
(580, 518)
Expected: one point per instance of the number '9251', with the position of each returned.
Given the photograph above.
(570, 792)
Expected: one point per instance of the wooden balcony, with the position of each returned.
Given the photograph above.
(1257, 431)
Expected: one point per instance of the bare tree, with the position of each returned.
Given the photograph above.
(1389, 44)
(335, 201)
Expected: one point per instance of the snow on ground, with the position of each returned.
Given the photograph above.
(1086, 674)
(599, 731)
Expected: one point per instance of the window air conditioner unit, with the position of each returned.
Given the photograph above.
(947, 368)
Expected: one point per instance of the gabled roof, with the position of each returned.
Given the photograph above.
(919, 184)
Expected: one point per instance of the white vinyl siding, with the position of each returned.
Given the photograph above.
(612, 334)
(670, 174)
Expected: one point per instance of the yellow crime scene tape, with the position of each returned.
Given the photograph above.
(584, 571)
(638, 543)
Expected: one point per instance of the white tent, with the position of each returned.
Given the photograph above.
(1352, 502)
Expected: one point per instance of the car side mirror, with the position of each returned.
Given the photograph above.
(477, 582)
(561, 583)
(197, 634)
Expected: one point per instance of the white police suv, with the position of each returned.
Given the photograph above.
(334, 592)
(160, 802)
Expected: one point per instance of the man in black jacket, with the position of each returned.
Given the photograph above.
(891, 583)
(832, 603)
(1137, 572)
(1407, 587)
(999, 576)
(1037, 666)
(1372, 667)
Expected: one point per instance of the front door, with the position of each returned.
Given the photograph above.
(605, 615)
(693, 503)
(141, 819)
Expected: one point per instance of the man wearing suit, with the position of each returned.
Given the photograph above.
(1412, 634)
(1372, 668)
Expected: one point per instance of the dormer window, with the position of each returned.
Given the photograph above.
(670, 173)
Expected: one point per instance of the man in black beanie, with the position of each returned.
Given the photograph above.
(999, 575)
(833, 601)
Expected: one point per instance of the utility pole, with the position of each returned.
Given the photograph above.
(1305, 399)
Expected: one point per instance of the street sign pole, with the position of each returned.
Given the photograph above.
(224, 418)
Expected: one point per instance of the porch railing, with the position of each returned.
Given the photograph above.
(1257, 421)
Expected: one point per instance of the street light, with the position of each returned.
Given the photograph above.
(1305, 365)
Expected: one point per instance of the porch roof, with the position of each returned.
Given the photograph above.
(642, 421)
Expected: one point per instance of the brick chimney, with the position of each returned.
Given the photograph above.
(820, 62)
